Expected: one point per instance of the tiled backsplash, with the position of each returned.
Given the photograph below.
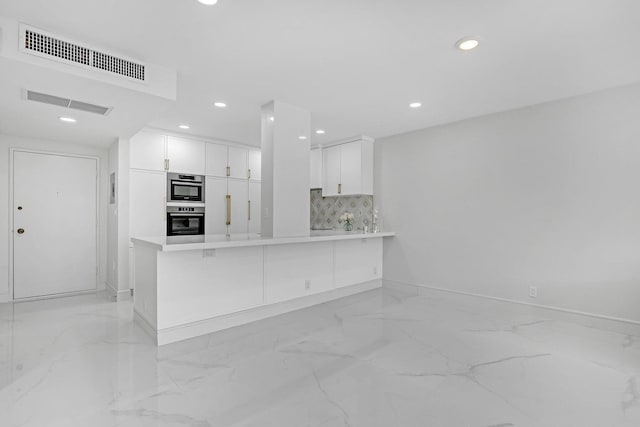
(325, 211)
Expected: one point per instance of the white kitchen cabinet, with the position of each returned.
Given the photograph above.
(147, 151)
(315, 168)
(147, 199)
(217, 160)
(357, 261)
(347, 169)
(331, 166)
(238, 163)
(238, 191)
(186, 156)
(215, 219)
(255, 165)
(255, 189)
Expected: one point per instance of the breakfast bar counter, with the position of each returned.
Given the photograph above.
(193, 285)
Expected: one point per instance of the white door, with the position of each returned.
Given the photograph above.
(254, 207)
(331, 170)
(147, 203)
(239, 192)
(186, 156)
(238, 166)
(55, 224)
(215, 215)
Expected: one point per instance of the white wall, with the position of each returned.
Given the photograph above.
(7, 142)
(545, 196)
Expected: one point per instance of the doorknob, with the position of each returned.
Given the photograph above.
(20, 230)
(19, 208)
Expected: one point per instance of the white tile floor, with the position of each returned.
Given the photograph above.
(382, 358)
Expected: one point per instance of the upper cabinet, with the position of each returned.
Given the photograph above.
(185, 156)
(148, 151)
(217, 160)
(347, 169)
(238, 163)
(151, 151)
(255, 165)
(315, 168)
(232, 162)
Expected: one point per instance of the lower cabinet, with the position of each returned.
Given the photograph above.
(310, 273)
(227, 205)
(357, 261)
(255, 189)
(193, 287)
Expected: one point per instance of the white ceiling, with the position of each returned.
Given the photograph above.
(355, 64)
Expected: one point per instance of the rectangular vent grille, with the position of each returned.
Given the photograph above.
(67, 103)
(51, 46)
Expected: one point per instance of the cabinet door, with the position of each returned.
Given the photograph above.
(255, 189)
(238, 166)
(255, 165)
(351, 168)
(186, 156)
(215, 215)
(216, 160)
(316, 168)
(147, 203)
(147, 151)
(331, 170)
(239, 192)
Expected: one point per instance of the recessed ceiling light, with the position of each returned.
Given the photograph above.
(183, 126)
(272, 119)
(67, 119)
(208, 2)
(220, 104)
(320, 132)
(467, 43)
(415, 105)
(302, 137)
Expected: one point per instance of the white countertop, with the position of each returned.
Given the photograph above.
(215, 241)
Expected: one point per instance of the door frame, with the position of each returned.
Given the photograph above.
(12, 151)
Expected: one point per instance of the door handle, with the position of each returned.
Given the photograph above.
(228, 209)
(228, 170)
(249, 210)
(339, 188)
(20, 230)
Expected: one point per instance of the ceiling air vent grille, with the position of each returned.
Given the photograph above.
(49, 46)
(66, 102)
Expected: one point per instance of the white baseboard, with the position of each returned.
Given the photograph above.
(122, 295)
(215, 324)
(145, 325)
(399, 285)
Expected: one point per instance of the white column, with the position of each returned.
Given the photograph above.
(285, 170)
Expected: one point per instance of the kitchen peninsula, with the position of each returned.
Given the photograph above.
(193, 285)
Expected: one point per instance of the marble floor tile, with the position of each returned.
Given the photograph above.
(389, 357)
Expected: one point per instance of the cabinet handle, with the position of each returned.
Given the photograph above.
(166, 164)
(249, 173)
(228, 170)
(339, 188)
(249, 210)
(228, 209)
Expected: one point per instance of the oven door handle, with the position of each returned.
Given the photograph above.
(191, 184)
(186, 214)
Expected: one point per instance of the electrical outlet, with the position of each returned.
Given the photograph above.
(209, 253)
(533, 291)
(307, 284)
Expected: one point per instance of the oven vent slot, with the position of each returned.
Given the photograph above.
(56, 48)
(67, 103)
